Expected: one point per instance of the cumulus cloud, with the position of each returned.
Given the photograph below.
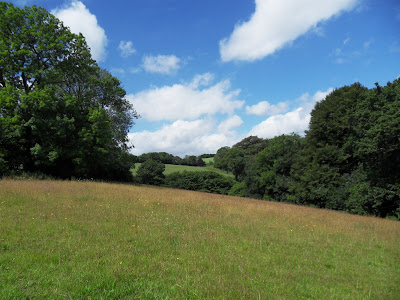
(229, 124)
(186, 101)
(185, 138)
(264, 108)
(126, 48)
(163, 64)
(80, 20)
(275, 24)
(296, 120)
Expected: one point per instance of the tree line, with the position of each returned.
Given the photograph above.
(166, 158)
(348, 160)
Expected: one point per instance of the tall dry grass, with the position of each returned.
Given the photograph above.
(84, 239)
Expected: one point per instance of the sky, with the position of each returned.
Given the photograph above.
(206, 74)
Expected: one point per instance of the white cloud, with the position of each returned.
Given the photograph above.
(184, 138)
(264, 108)
(163, 64)
(275, 24)
(186, 101)
(229, 124)
(126, 48)
(80, 20)
(202, 80)
(294, 121)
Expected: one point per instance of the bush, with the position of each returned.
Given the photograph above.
(205, 181)
(151, 172)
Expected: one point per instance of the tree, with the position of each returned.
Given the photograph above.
(60, 114)
(251, 145)
(203, 181)
(151, 172)
(220, 160)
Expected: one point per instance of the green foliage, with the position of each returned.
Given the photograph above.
(60, 114)
(161, 157)
(151, 172)
(349, 159)
(220, 159)
(166, 158)
(205, 181)
(251, 145)
(238, 189)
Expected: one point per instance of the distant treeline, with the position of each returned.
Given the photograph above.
(166, 158)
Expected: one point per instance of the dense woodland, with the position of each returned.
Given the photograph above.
(63, 116)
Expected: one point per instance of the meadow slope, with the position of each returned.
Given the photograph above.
(61, 239)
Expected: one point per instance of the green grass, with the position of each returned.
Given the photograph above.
(180, 168)
(208, 160)
(81, 240)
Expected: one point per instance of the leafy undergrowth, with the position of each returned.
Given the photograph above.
(84, 239)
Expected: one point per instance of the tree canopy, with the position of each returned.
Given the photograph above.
(60, 113)
(348, 160)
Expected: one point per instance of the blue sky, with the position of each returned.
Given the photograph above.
(206, 74)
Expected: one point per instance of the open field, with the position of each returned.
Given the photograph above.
(84, 239)
(208, 160)
(180, 168)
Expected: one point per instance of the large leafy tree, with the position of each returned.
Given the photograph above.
(59, 112)
(151, 172)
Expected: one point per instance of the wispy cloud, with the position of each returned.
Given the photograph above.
(348, 52)
(126, 48)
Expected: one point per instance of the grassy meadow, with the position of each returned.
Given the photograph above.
(208, 160)
(75, 240)
(180, 168)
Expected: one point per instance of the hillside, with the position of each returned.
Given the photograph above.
(169, 168)
(61, 239)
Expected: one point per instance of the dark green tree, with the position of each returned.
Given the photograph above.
(204, 181)
(220, 159)
(60, 114)
(251, 145)
(151, 172)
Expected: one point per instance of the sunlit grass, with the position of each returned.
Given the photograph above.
(180, 168)
(82, 239)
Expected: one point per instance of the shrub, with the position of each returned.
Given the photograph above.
(210, 182)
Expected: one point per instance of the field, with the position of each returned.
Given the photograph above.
(180, 168)
(208, 160)
(78, 240)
